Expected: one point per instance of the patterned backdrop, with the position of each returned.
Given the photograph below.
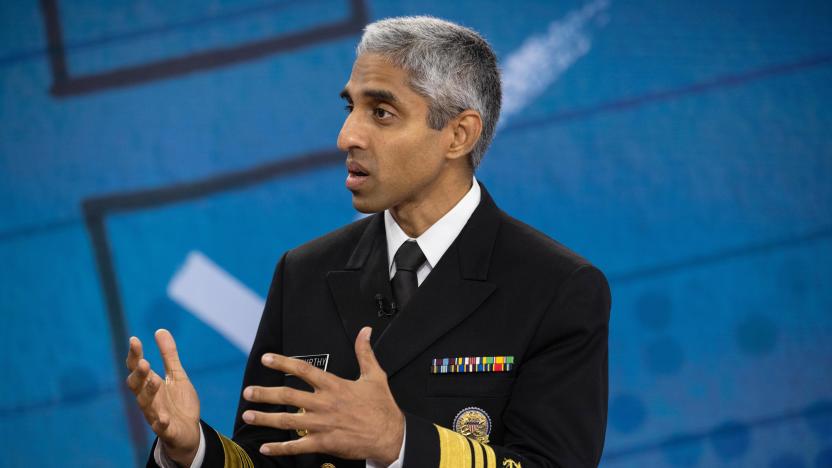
(157, 157)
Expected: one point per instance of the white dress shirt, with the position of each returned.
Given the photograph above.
(434, 243)
(162, 459)
(436, 240)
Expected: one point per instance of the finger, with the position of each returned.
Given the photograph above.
(281, 396)
(288, 421)
(308, 444)
(137, 378)
(134, 353)
(170, 357)
(146, 401)
(151, 386)
(367, 361)
(310, 374)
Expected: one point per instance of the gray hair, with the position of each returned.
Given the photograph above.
(452, 66)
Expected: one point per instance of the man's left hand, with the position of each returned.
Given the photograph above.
(352, 419)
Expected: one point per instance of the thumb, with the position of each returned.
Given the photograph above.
(170, 357)
(364, 352)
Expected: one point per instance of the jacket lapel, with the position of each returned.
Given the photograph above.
(451, 292)
(365, 275)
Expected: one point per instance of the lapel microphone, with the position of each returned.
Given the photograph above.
(385, 312)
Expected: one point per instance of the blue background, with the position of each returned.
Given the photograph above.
(687, 153)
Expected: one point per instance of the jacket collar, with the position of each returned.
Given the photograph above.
(475, 241)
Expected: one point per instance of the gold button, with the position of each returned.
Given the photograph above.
(327, 465)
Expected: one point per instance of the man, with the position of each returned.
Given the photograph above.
(438, 332)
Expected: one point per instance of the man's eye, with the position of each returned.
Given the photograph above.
(348, 108)
(380, 113)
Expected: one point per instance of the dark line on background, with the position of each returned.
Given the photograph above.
(36, 229)
(118, 327)
(719, 82)
(54, 37)
(716, 257)
(162, 69)
(683, 438)
(65, 85)
(219, 183)
(160, 29)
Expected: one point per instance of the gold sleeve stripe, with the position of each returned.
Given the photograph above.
(235, 456)
(454, 451)
(490, 457)
(479, 456)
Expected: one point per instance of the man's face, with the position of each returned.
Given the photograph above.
(394, 158)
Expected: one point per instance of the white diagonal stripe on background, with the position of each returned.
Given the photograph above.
(218, 299)
(542, 58)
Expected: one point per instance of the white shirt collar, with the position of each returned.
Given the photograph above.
(436, 240)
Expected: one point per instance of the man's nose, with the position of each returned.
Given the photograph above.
(352, 135)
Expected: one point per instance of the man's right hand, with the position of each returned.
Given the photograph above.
(170, 405)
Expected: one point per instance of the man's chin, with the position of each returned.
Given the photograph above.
(367, 211)
(362, 205)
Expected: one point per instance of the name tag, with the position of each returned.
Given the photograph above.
(321, 361)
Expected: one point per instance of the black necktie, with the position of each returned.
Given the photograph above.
(408, 259)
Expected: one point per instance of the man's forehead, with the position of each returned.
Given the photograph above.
(373, 72)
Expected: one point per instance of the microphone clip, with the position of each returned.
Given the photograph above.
(385, 312)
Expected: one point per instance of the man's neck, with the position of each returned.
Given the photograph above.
(416, 216)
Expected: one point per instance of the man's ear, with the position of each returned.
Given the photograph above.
(466, 128)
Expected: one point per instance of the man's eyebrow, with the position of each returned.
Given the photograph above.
(380, 95)
(377, 94)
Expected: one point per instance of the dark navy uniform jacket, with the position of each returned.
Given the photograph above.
(501, 289)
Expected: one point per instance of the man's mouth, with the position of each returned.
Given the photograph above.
(356, 169)
(357, 175)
